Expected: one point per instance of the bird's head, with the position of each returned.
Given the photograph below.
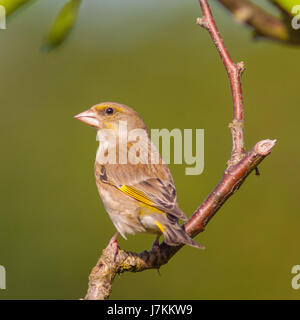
(107, 115)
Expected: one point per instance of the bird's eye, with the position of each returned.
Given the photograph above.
(109, 110)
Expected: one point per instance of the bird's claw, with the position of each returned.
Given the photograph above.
(155, 246)
(115, 246)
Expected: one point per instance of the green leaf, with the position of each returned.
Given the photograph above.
(12, 5)
(63, 24)
(287, 5)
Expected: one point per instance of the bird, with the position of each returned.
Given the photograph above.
(136, 187)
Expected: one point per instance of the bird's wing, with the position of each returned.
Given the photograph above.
(151, 184)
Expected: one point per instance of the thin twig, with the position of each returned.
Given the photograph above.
(239, 167)
(234, 72)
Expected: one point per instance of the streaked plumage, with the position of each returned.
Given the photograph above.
(138, 197)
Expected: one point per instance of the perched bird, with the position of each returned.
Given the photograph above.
(136, 187)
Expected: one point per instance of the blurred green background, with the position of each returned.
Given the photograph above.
(151, 56)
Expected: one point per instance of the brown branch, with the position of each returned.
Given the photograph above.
(265, 24)
(239, 167)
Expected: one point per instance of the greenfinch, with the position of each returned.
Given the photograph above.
(136, 187)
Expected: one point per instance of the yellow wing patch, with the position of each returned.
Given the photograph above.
(136, 194)
(148, 210)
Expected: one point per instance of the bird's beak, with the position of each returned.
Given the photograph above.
(89, 117)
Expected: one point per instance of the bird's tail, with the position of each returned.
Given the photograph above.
(174, 235)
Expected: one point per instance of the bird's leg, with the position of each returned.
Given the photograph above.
(114, 244)
(155, 248)
(155, 244)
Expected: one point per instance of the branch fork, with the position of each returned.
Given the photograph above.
(240, 165)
